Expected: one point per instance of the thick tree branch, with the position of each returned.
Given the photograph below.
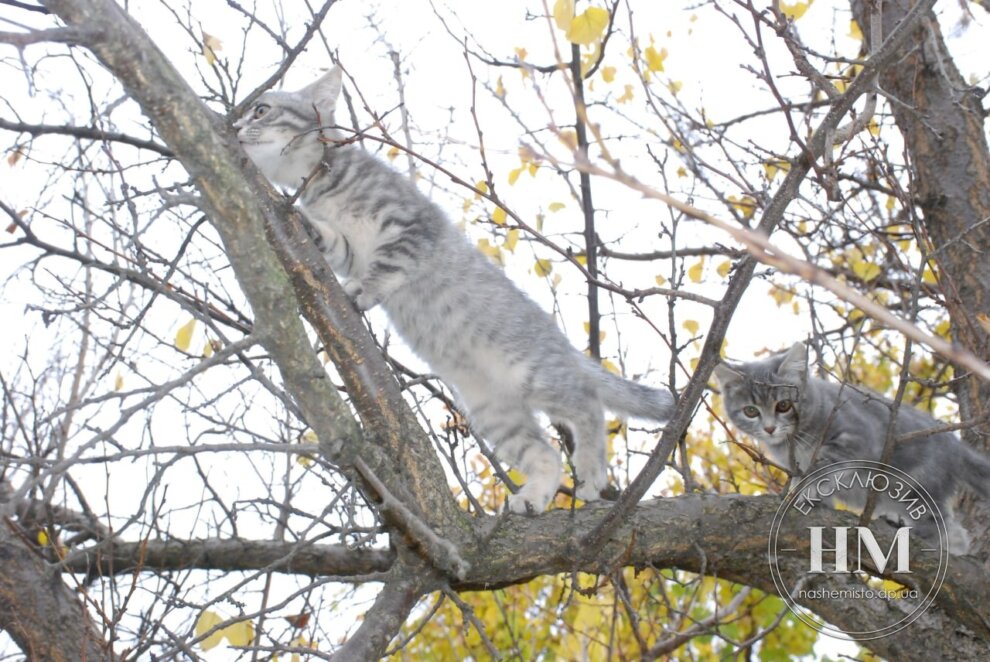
(720, 536)
(38, 610)
(114, 558)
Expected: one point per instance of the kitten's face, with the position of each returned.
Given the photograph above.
(762, 398)
(280, 132)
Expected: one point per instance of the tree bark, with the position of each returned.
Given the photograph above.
(38, 610)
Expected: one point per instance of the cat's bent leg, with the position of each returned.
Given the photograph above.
(334, 246)
(587, 428)
(514, 434)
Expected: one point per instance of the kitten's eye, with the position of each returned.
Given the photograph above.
(751, 411)
(784, 406)
(260, 110)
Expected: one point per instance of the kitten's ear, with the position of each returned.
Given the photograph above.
(794, 364)
(725, 375)
(324, 92)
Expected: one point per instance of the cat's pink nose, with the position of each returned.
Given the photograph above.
(770, 428)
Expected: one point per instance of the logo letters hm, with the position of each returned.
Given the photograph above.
(864, 538)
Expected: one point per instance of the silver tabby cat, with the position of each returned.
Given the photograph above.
(501, 353)
(777, 402)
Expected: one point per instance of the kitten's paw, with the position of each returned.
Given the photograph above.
(363, 300)
(591, 490)
(533, 498)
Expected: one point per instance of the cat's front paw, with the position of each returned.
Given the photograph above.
(363, 300)
(533, 498)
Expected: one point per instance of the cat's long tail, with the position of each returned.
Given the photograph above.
(627, 397)
(975, 470)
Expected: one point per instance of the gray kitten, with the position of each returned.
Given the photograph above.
(501, 353)
(777, 402)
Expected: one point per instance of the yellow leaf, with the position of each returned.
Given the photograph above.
(865, 271)
(661, 280)
(118, 382)
(745, 205)
(796, 10)
(984, 321)
(682, 172)
(893, 588)
(563, 15)
(532, 168)
(587, 330)
(675, 86)
(773, 166)
(654, 58)
(691, 327)
(240, 633)
(184, 335)
(555, 206)
(511, 239)
(891, 202)
(207, 621)
(498, 216)
(611, 367)
(873, 127)
(521, 54)
(780, 295)
(588, 27)
(392, 153)
(494, 252)
(210, 46)
(695, 272)
(854, 30)
(482, 186)
(569, 138)
(543, 267)
(723, 269)
(208, 349)
(514, 175)
(499, 88)
(608, 74)
(627, 95)
(43, 538)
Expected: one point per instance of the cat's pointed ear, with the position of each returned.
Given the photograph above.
(794, 364)
(325, 90)
(726, 375)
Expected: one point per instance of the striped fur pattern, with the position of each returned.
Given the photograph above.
(501, 353)
(776, 401)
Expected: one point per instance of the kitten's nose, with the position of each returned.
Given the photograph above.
(770, 428)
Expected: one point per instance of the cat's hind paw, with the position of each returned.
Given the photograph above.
(591, 490)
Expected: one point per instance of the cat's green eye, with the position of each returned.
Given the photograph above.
(784, 406)
(261, 110)
(751, 411)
